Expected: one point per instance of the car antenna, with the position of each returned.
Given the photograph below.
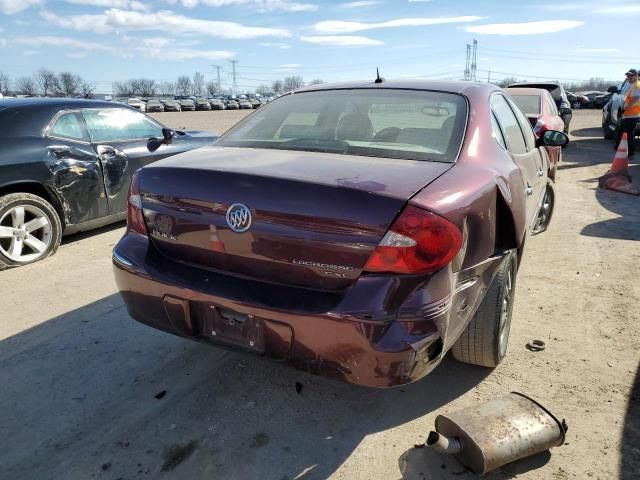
(379, 79)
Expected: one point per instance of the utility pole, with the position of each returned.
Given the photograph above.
(473, 60)
(466, 66)
(217, 67)
(234, 75)
(489, 77)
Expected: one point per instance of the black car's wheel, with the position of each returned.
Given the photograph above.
(30, 229)
(484, 341)
(546, 209)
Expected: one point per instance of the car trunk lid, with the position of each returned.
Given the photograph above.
(316, 217)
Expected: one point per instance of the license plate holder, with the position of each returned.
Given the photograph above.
(233, 328)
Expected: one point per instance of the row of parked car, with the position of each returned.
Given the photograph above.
(193, 104)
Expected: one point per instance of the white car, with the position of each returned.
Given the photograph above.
(137, 104)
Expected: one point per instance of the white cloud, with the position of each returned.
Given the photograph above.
(260, 5)
(619, 10)
(125, 4)
(151, 47)
(527, 28)
(339, 26)
(341, 40)
(291, 65)
(362, 3)
(281, 46)
(596, 50)
(9, 7)
(183, 53)
(51, 41)
(115, 20)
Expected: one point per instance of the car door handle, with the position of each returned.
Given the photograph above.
(540, 173)
(529, 190)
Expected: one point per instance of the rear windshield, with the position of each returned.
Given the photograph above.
(403, 124)
(529, 104)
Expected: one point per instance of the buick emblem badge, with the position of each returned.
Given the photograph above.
(239, 217)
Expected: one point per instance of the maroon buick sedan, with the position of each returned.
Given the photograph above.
(357, 231)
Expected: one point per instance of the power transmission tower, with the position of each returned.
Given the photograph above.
(217, 67)
(466, 66)
(473, 60)
(234, 75)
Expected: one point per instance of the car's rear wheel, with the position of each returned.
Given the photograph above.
(30, 229)
(484, 341)
(546, 209)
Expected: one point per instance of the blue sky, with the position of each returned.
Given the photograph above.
(111, 40)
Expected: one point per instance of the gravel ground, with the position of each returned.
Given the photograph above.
(88, 393)
(213, 121)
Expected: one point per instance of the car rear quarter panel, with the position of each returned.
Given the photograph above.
(472, 192)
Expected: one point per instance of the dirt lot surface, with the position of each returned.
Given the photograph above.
(86, 392)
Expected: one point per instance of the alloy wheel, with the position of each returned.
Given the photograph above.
(25, 233)
(544, 215)
(505, 314)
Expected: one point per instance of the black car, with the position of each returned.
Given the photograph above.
(613, 109)
(559, 95)
(66, 166)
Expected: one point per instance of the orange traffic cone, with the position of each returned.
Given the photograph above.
(617, 178)
(621, 159)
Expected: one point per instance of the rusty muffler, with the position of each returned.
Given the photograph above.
(485, 437)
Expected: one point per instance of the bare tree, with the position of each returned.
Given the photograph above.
(317, 81)
(69, 84)
(146, 87)
(183, 85)
(291, 83)
(198, 84)
(167, 89)
(277, 86)
(122, 89)
(26, 86)
(4, 84)
(47, 81)
(212, 88)
(87, 89)
(263, 90)
(507, 81)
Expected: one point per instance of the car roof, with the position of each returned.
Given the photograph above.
(450, 86)
(52, 103)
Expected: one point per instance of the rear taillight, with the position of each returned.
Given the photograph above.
(418, 242)
(539, 128)
(135, 218)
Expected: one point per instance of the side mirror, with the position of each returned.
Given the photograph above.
(154, 143)
(168, 134)
(554, 138)
(613, 89)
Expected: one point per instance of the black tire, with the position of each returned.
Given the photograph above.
(51, 235)
(480, 342)
(546, 209)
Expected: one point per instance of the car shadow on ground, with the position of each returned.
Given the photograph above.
(93, 393)
(76, 237)
(624, 227)
(586, 132)
(630, 445)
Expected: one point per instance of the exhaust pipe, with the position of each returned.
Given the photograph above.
(485, 437)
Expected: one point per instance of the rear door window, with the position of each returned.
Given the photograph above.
(525, 126)
(553, 110)
(69, 126)
(509, 125)
(119, 124)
